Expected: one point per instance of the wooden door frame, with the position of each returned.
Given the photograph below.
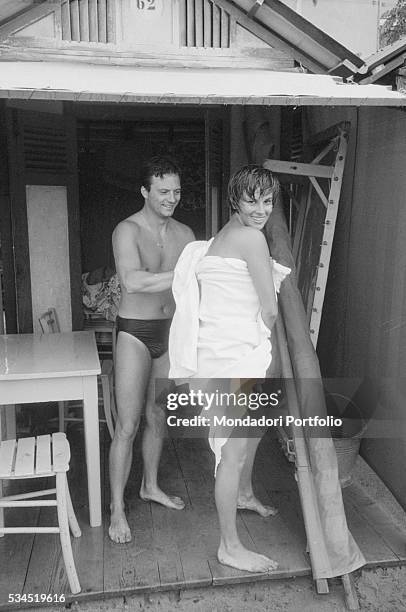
(9, 305)
(216, 217)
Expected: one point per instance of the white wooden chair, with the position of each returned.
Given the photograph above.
(49, 324)
(42, 457)
(105, 328)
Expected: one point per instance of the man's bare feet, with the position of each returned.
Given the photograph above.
(158, 496)
(252, 503)
(244, 559)
(119, 530)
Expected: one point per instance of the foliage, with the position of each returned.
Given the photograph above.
(395, 24)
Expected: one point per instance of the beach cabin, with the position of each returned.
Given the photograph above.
(88, 89)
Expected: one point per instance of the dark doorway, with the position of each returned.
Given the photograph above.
(110, 156)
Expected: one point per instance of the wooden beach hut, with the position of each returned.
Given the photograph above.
(90, 87)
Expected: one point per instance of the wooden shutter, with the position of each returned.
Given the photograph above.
(204, 24)
(42, 151)
(88, 20)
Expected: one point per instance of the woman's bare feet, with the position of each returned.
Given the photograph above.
(252, 503)
(243, 559)
(158, 496)
(119, 531)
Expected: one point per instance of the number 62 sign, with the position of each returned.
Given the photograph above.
(146, 5)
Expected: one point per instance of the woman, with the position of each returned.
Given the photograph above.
(225, 298)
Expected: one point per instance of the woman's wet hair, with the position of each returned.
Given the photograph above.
(246, 181)
(158, 166)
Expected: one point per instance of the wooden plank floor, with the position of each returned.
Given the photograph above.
(177, 549)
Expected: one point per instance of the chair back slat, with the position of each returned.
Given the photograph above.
(24, 464)
(43, 463)
(7, 455)
(49, 322)
(60, 452)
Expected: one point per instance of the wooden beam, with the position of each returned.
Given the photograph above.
(199, 22)
(270, 37)
(74, 20)
(93, 21)
(65, 17)
(208, 9)
(285, 167)
(182, 22)
(324, 152)
(28, 18)
(9, 304)
(190, 23)
(170, 99)
(350, 594)
(225, 29)
(233, 30)
(34, 49)
(312, 31)
(322, 586)
(319, 190)
(216, 28)
(58, 22)
(399, 61)
(253, 10)
(84, 20)
(111, 21)
(102, 21)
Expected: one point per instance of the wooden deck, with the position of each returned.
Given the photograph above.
(176, 549)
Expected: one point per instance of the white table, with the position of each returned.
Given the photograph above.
(56, 367)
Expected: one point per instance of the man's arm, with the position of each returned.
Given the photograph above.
(128, 263)
(188, 235)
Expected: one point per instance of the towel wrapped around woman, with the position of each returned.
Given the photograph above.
(217, 330)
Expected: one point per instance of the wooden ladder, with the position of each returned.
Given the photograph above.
(315, 173)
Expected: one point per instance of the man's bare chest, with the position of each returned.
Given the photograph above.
(156, 258)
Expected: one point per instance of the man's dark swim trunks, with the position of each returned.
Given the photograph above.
(154, 333)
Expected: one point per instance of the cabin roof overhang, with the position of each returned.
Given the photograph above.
(96, 83)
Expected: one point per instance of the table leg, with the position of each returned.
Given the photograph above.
(92, 447)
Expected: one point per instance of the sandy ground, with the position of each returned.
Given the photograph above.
(379, 589)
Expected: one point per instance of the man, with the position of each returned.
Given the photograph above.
(146, 248)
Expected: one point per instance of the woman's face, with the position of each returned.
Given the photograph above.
(255, 211)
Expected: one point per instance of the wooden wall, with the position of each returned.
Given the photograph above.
(363, 329)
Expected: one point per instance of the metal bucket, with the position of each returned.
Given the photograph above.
(347, 442)
(347, 450)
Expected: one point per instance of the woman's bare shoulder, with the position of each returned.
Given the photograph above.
(242, 242)
(245, 234)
